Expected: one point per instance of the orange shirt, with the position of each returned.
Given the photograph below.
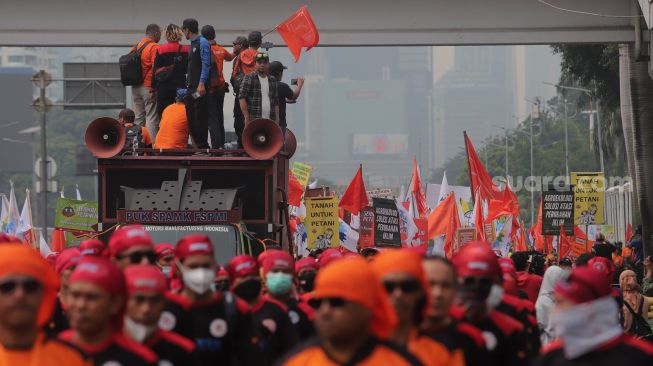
(432, 353)
(145, 134)
(147, 59)
(221, 55)
(49, 352)
(248, 60)
(173, 128)
(377, 354)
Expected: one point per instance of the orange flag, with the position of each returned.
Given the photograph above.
(444, 220)
(543, 243)
(58, 240)
(479, 221)
(478, 176)
(299, 31)
(295, 190)
(355, 196)
(564, 243)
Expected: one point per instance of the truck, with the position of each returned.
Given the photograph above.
(237, 197)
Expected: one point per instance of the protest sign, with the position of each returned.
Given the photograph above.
(589, 191)
(322, 223)
(557, 211)
(387, 230)
(76, 215)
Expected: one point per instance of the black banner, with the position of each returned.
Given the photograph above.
(386, 223)
(557, 211)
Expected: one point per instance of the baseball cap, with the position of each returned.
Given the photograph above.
(262, 56)
(255, 37)
(276, 67)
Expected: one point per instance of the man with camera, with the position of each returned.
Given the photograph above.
(285, 93)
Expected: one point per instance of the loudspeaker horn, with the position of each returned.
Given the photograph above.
(290, 143)
(262, 139)
(105, 137)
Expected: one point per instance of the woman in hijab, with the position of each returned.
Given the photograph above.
(633, 299)
(546, 301)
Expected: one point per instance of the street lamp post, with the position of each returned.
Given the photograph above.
(593, 102)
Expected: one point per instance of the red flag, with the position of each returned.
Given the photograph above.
(542, 242)
(564, 243)
(629, 232)
(299, 31)
(444, 220)
(355, 196)
(295, 190)
(479, 222)
(416, 190)
(520, 242)
(479, 177)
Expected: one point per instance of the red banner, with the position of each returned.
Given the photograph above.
(299, 31)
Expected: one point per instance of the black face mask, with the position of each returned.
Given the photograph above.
(307, 281)
(222, 286)
(248, 290)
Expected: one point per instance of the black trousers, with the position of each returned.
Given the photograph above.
(164, 97)
(198, 121)
(215, 104)
(239, 122)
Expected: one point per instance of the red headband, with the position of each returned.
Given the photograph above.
(241, 266)
(192, 245)
(128, 237)
(277, 258)
(145, 277)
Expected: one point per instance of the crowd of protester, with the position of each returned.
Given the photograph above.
(134, 302)
(183, 87)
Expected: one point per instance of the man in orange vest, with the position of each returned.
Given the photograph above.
(143, 95)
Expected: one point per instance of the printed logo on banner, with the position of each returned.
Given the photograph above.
(387, 230)
(322, 223)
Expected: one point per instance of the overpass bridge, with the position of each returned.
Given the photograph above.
(341, 23)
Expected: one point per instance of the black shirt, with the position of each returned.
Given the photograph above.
(283, 92)
(173, 349)
(276, 333)
(505, 340)
(462, 337)
(605, 250)
(221, 328)
(300, 319)
(117, 350)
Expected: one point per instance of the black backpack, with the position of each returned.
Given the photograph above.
(238, 78)
(134, 137)
(130, 66)
(640, 326)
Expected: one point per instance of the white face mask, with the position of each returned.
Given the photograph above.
(139, 332)
(495, 296)
(587, 326)
(199, 280)
(166, 270)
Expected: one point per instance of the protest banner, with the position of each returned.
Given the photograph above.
(387, 230)
(302, 172)
(464, 236)
(557, 211)
(366, 230)
(589, 192)
(74, 215)
(322, 223)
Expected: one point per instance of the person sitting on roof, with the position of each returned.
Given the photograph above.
(173, 129)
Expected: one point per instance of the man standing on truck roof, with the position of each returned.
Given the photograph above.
(143, 98)
(219, 323)
(197, 77)
(258, 92)
(131, 244)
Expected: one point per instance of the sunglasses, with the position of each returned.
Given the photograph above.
(407, 287)
(29, 286)
(477, 281)
(137, 257)
(334, 302)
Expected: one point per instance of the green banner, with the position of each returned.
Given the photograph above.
(76, 215)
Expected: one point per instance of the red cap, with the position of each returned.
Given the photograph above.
(277, 258)
(145, 277)
(304, 264)
(52, 258)
(476, 259)
(221, 272)
(602, 265)
(328, 256)
(192, 245)
(92, 247)
(583, 285)
(163, 250)
(9, 239)
(241, 266)
(105, 274)
(66, 259)
(127, 237)
(507, 265)
(261, 257)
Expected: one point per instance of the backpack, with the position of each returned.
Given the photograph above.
(214, 74)
(640, 326)
(134, 137)
(131, 72)
(166, 73)
(237, 80)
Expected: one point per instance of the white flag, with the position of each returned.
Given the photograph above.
(313, 184)
(4, 214)
(44, 248)
(355, 222)
(25, 228)
(348, 237)
(61, 192)
(407, 222)
(444, 188)
(79, 195)
(14, 214)
(402, 194)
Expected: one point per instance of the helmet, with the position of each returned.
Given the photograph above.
(476, 259)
